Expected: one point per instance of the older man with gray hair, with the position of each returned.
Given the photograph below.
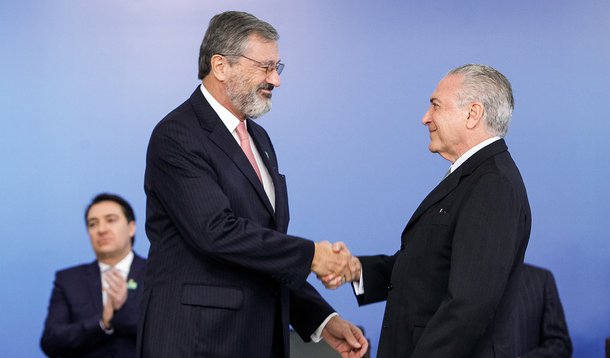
(449, 287)
(225, 280)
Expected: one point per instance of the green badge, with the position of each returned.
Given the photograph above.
(131, 284)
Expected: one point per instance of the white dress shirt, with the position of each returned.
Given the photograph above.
(122, 267)
(470, 152)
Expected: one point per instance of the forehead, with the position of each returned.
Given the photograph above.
(104, 208)
(262, 48)
(448, 87)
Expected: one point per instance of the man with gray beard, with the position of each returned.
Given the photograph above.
(224, 279)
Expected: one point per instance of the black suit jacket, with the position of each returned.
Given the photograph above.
(222, 273)
(446, 288)
(72, 327)
(542, 329)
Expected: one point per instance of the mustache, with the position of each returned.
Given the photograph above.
(266, 86)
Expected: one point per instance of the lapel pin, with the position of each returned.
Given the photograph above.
(131, 284)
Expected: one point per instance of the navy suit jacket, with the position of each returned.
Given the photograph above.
(542, 329)
(446, 288)
(72, 327)
(222, 273)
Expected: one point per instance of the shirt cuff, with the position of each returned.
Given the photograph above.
(108, 331)
(317, 335)
(359, 285)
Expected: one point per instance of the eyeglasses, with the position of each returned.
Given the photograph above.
(278, 67)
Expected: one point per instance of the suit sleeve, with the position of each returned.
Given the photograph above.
(125, 321)
(63, 336)
(484, 249)
(182, 177)
(307, 310)
(554, 337)
(376, 274)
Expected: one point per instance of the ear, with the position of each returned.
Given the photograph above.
(132, 228)
(219, 66)
(475, 115)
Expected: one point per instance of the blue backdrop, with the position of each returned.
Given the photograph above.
(84, 82)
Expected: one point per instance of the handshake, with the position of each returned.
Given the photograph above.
(334, 264)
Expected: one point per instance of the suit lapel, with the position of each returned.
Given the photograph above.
(136, 271)
(442, 190)
(94, 285)
(265, 148)
(226, 142)
(262, 145)
(451, 182)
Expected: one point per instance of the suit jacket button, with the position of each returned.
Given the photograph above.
(390, 287)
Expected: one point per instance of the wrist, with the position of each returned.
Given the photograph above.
(106, 327)
(315, 260)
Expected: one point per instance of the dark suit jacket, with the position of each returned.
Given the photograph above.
(222, 273)
(72, 327)
(542, 329)
(446, 287)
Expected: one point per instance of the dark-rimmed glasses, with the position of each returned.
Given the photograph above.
(278, 67)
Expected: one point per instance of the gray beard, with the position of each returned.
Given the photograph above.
(249, 103)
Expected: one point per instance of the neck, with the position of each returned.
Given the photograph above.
(112, 260)
(218, 90)
(473, 139)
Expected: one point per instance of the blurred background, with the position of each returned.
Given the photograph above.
(84, 82)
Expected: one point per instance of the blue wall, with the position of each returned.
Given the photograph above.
(84, 82)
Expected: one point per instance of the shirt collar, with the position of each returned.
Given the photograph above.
(470, 152)
(228, 118)
(123, 266)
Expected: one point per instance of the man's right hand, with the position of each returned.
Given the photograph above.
(116, 295)
(327, 261)
(107, 314)
(350, 274)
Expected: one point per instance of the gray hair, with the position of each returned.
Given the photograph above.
(487, 85)
(228, 33)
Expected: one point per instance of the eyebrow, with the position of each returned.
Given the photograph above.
(105, 216)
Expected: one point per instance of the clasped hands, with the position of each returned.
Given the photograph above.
(116, 295)
(334, 265)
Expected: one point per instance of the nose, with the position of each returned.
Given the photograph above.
(274, 78)
(426, 118)
(102, 227)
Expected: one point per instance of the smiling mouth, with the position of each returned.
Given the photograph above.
(266, 93)
(265, 89)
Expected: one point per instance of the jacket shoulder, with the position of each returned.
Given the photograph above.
(76, 270)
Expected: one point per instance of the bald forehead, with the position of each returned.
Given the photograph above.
(452, 81)
(447, 88)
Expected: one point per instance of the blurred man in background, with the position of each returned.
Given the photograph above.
(94, 307)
